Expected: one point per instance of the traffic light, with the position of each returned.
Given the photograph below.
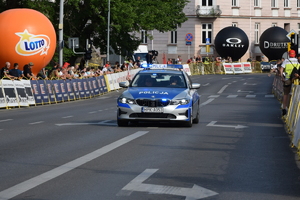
(293, 43)
(88, 54)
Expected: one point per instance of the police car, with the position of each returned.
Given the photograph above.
(159, 95)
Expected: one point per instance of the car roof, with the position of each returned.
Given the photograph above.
(168, 71)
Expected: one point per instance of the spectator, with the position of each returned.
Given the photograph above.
(170, 61)
(42, 73)
(199, 59)
(287, 67)
(189, 60)
(179, 60)
(15, 72)
(55, 73)
(27, 71)
(4, 72)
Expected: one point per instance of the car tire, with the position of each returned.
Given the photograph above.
(196, 120)
(122, 123)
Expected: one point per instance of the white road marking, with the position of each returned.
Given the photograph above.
(222, 89)
(250, 84)
(105, 122)
(213, 96)
(206, 84)
(47, 176)
(137, 185)
(206, 102)
(93, 112)
(245, 91)
(232, 96)
(5, 120)
(39, 122)
(70, 116)
(213, 123)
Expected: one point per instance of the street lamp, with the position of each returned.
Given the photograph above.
(61, 32)
(108, 27)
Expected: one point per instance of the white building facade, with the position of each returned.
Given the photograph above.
(207, 17)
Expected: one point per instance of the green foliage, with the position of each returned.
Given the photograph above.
(126, 17)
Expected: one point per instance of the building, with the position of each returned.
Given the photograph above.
(207, 17)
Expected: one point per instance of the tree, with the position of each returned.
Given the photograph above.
(127, 18)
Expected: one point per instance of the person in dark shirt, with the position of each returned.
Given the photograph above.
(4, 71)
(27, 71)
(15, 72)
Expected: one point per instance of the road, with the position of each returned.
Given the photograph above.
(75, 151)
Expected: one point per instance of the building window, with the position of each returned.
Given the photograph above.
(274, 3)
(234, 24)
(235, 2)
(298, 3)
(256, 32)
(207, 2)
(274, 24)
(298, 28)
(173, 37)
(206, 32)
(286, 3)
(257, 3)
(144, 36)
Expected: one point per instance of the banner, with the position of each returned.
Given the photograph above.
(228, 68)
(36, 91)
(2, 99)
(70, 89)
(247, 67)
(57, 91)
(238, 68)
(50, 90)
(63, 89)
(10, 93)
(29, 92)
(20, 93)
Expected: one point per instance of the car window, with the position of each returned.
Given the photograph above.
(159, 80)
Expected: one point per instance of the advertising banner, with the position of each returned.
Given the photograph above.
(70, 90)
(238, 68)
(10, 93)
(103, 84)
(247, 67)
(86, 88)
(63, 89)
(228, 68)
(29, 92)
(57, 90)
(75, 88)
(20, 93)
(36, 91)
(50, 90)
(2, 99)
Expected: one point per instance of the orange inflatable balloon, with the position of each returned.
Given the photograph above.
(26, 36)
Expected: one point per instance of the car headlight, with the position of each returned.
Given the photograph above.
(180, 101)
(126, 100)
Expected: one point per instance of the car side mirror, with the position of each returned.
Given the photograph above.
(195, 86)
(124, 84)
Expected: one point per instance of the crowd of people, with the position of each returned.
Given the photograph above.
(66, 71)
(288, 70)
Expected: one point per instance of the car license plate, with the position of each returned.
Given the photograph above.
(152, 110)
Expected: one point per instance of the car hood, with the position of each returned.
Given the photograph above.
(154, 92)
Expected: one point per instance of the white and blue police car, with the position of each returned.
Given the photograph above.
(159, 95)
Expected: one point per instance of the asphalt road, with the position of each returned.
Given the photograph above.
(75, 151)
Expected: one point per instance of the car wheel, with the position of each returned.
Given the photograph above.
(196, 120)
(122, 123)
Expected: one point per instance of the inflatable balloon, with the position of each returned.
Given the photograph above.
(273, 42)
(26, 36)
(231, 41)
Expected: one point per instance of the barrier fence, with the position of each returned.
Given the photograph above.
(291, 120)
(20, 93)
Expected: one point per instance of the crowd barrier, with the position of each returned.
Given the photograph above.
(237, 68)
(19, 93)
(291, 120)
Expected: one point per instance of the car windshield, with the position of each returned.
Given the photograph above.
(159, 80)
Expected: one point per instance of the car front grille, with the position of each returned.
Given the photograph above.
(152, 115)
(153, 102)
